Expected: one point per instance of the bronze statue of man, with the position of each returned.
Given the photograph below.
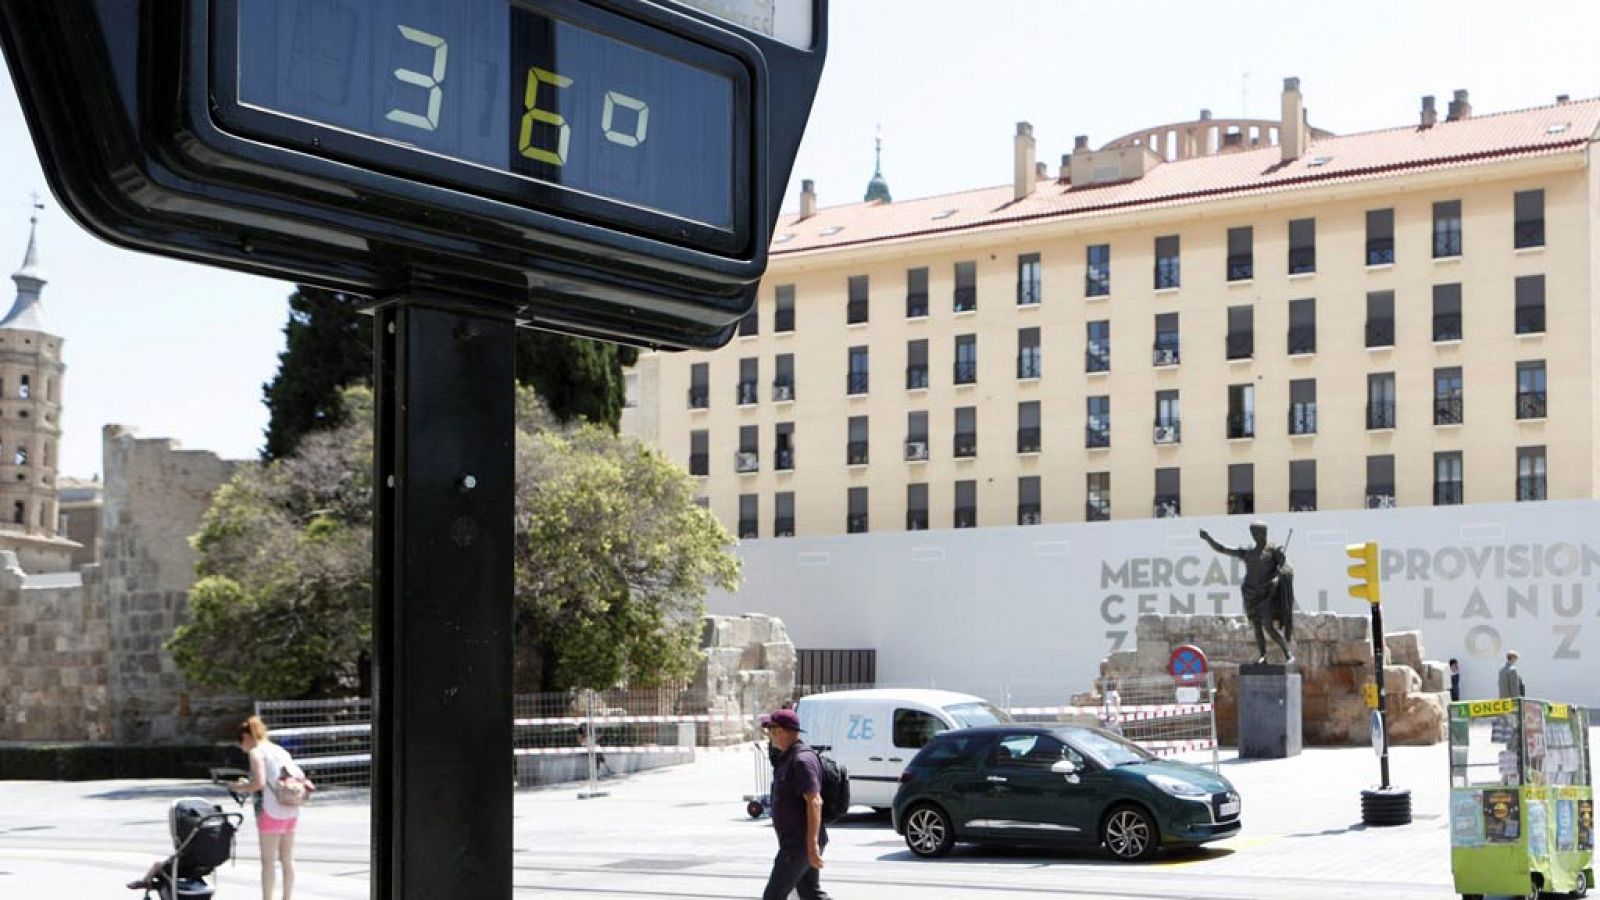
(1268, 589)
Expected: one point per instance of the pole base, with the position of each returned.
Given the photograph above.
(1384, 807)
(590, 795)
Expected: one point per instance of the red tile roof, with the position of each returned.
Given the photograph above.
(1543, 131)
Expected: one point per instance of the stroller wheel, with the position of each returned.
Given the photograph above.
(755, 808)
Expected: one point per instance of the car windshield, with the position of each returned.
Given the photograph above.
(976, 713)
(1108, 749)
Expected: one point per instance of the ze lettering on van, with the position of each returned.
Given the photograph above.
(860, 729)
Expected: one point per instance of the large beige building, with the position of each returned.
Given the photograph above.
(1216, 316)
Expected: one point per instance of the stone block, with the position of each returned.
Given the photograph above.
(1418, 719)
(1404, 648)
(1435, 677)
(1401, 680)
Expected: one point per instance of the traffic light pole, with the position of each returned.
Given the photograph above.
(444, 429)
(1386, 804)
(1378, 660)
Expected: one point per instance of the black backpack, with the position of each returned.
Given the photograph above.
(835, 787)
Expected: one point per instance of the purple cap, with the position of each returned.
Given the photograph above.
(782, 718)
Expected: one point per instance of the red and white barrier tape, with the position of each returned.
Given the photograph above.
(1138, 713)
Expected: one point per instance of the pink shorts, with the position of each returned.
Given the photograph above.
(267, 824)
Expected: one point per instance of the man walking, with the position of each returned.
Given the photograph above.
(796, 812)
(1510, 679)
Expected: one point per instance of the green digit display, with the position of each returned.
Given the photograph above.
(558, 156)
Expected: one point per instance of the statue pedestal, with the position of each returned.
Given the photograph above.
(1269, 711)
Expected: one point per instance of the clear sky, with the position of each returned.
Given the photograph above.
(179, 350)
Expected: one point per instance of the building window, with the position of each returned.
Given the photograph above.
(1447, 487)
(783, 378)
(1448, 396)
(1241, 489)
(748, 389)
(1167, 272)
(1380, 319)
(916, 507)
(1531, 474)
(1241, 254)
(1302, 246)
(19, 513)
(917, 435)
(1303, 406)
(1169, 423)
(748, 459)
(1241, 332)
(1446, 312)
(783, 311)
(1030, 437)
(966, 511)
(1030, 355)
(857, 381)
(966, 297)
(749, 512)
(917, 364)
(751, 322)
(1380, 237)
(1097, 493)
(1168, 503)
(1030, 509)
(1529, 228)
(1097, 424)
(966, 368)
(855, 310)
(25, 389)
(1380, 482)
(917, 293)
(783, 514)
(699, 455)
(1030, 280)
(1530, 304)
(1097, 352)
(1302, 485)
(699, 385)
(1241, 411)
(1166, 349)
(1097, 275)
(783, 446)
(1380, 401)
(1530, 390)
(703, 502)
(1302, 326)
(1446, 229)
(856, 515)
(966, 442)
(856, 448)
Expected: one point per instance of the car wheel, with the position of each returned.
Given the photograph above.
(929, 832)
(1129, 834)
(1581, 889)
(755, 808)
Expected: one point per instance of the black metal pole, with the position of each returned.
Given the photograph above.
(1378, 655)
(444, 422)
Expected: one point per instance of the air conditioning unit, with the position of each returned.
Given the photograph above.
(1032, 518)
(1167, 356)
(782, 393)
(1166, 434)
(1166, 511)
(916, 450)
(746, 462)
(1380, 501)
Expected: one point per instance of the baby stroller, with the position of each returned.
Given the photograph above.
(202, 840)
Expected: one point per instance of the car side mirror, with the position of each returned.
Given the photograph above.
(1064, 767)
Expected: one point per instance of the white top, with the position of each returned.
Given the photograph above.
(274, 760)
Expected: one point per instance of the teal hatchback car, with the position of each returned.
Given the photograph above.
(1055, 785)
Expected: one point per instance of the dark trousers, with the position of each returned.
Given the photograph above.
(791, 871)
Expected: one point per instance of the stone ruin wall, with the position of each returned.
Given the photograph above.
(54, 642)
(747, 668)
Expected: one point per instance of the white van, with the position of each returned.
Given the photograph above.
(875, 733)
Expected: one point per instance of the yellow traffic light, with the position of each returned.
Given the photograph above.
(1365, 571)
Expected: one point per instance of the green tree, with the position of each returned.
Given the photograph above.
(328, 345)
(613, 559)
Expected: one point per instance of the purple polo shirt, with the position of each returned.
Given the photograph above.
(797, 774)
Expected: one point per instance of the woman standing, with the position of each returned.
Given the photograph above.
(274, 821)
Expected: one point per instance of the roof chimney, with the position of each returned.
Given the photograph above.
(1430, 115)
(808, 199)
(1293, 134)
(1081, 142)
(1024, 172)
(1460, 108)
(1563, 98)
(1041, 171)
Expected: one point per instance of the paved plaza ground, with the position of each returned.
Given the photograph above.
(682, 833)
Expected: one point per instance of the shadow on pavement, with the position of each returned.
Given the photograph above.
(1046, 856)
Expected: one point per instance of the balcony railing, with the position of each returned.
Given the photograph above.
(1165, 353)
(856, 523)
(699, 397)
(1097, 437)
(1097, 359)
(1167, 431)
(917, 450)
(746, 461)
(916, 377)
(855, 453)
(1097, 512)
(1030, 364)
(1242, 346)
(783, 320)
(783, 526)
(1303, 500)
(1530, 319)
(917, 520)
(1380, 332)
(1447, 327)
(1380, 251)
(1096, 282)
(1029, 514)
(1531, 488)
(1241, 267)
(747, 393)
(782, 391)
(1302, 339)
(1303, 418)
(1240, 504)
(699, 464)
(1447, 243)
(857, 383)
(1530, 405)
(1029, 292)
(1447, 493)
(966, 299)
(1529, 233)
(966, 517)
(855, 312)
(1302, 260)
(783, 460)
(1029, 440)
(1447, 410)
(966, 373)
(1380, 414)
(1167, 272)
(748, 529)
(966, 445)
(1166, 506)
(916, 306)
(1380, 496)
(1241, 425)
